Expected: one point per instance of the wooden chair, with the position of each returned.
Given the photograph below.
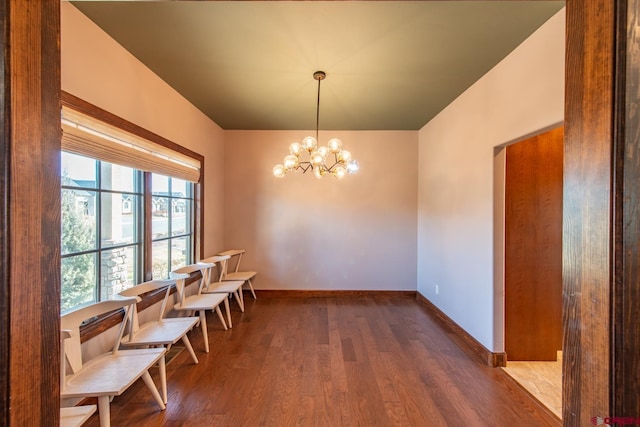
(161, 332)
(199, 302)
(111, 373)
(245, 276)
(72, 416)
(232, 287)
(75, 416)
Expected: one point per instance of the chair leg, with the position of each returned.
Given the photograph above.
(162, 367)
(203, 327)
(251, 287)
(219, 313)
(187, 345)
(146, 377)
(239, 299)
(103, 411)
(226, 307)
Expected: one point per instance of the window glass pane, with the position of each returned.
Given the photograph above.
(117, 270)
(78, 221)
(119, 219)
(78, 171)
(160, 216)
(78, 280)
(180, 215)
(116, 177)
(179, 188)
(180, 252)
(160, 184)
(160, 255)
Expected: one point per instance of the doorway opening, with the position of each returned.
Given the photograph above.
(529, 262)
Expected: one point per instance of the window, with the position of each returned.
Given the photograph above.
(172, 206)
(130, 204)
(99, 261)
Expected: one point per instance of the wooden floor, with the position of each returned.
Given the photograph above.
(542, 379)
(333, 361)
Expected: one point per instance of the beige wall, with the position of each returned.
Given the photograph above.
(521, 96)
(100, 71)
(305, 233)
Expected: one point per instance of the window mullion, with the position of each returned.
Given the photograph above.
(147, 227)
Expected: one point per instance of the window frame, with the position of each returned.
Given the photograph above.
(73, 102)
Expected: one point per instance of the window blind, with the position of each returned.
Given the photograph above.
(89, 137)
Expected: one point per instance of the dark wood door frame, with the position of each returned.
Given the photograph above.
(601, 254)
(625, 349)
(30, 213)
(600, 250)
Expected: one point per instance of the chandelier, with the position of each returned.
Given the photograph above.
(330, 159)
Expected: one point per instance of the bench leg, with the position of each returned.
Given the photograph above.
(219, 313)
(203, 326)
(162, 367)
(226, 307)
(239, 298)
(103, 411)
(187, 345)
(146, 377)
(251, 287)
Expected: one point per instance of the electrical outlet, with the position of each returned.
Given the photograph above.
(437, 290)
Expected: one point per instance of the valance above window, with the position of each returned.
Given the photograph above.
(87, 136)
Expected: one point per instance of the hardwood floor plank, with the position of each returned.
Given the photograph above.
(334, 361)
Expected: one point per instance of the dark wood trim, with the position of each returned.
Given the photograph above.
(625, 351)
(5, 128)
(31, 214)
(286, 293)
(198, 201)
(587, 217)
(468, 343)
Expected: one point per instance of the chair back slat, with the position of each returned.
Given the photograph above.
(220, 264)
(236, 257)
(141, 289)
(202, 267)
(71, 322)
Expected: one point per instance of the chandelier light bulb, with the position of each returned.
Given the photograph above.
(324, 151)
(339, 172)
(290, 162)
(295, 149)
(334, 145)
(316, 158)
(353, 167)
(309, 143)
(279, 171)
(344, 156)
(317, 172)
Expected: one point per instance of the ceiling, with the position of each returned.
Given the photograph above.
(390, 65)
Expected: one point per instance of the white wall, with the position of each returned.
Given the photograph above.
(98, 70)
(520, 96)
(303, 233)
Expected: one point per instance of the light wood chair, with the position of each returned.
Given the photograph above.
(72, 416)
(199, 302)
(232, 287)
(246, 276)
(75, 416)
(161, 332)
(108, 374)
